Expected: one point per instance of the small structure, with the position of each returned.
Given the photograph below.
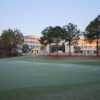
(36, 51)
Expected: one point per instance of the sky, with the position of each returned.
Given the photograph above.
(32, 16)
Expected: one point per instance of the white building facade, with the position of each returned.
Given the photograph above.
(83, 47)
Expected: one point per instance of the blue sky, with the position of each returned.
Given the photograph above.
(32, 16)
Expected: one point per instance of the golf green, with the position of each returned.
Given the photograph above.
(34, 78)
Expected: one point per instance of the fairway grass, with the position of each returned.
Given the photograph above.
(39, 78)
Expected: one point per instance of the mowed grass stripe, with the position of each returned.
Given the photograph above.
(17, 74)
(67, 60)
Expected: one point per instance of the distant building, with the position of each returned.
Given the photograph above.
(33, 43)
(82, 48)
(86, 47)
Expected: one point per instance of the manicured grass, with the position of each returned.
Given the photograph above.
(41, 78)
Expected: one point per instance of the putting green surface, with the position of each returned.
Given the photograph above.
(39, 78)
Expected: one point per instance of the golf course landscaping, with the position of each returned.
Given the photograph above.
(47, 78)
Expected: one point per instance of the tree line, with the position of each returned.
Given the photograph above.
(71, 34)
(68, 33)
(10, 39)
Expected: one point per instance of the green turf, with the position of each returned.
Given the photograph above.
(39, 78)
(67, 61)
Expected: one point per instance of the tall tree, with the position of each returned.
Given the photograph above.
(11, 39)
(8, 37)
(19, 38)
(71, 35)
(93, 31)
(45, 39)
(52, 35)
(57, 34)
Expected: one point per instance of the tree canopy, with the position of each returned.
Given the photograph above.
(71, 35)
(52, 35)
(11, 39)
(8, 37)
(68, 33)
(93, 31)
(18, 36)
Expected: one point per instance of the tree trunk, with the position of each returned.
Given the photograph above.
(69, 49)
(57, 48)
(97, 43)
